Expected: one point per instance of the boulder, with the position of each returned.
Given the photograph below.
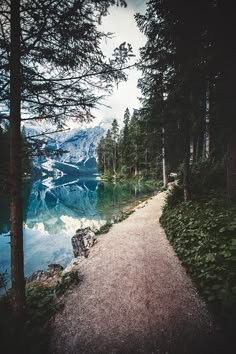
(48, 277)
(54, 267)
(82, 241)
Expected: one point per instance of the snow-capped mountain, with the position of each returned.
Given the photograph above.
(78, 146)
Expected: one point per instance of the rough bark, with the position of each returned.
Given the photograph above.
(16, 218)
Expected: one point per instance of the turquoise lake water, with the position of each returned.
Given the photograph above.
(55, 209)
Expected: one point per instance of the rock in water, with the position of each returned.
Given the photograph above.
(82, 241)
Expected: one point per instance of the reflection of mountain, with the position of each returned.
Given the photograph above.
(56, 209)
(53, 202)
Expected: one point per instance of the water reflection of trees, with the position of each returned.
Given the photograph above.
(50, 203)
(114, 196)
(5, 206)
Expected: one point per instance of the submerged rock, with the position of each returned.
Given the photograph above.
(82, 241)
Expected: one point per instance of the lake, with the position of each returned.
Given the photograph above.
(55, 208)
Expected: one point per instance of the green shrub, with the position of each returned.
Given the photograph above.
(104, 228)
(203, 234)
(205, 176)
(174, 196)
(68, 280)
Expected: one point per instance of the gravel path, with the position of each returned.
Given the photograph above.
(135, 296)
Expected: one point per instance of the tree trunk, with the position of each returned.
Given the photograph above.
(186, 158)
(136, 161)
(146, 161)
(194, 149)
(16, 218)
(135, 169)
(200, 144)
(104, 164)
(164, 169)
(231, 169)
(207, 123)
(114, 157)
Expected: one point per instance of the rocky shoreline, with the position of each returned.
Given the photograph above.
(82, 242)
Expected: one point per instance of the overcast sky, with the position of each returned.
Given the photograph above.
(121, 22)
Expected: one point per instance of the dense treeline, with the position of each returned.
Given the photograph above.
(188, 66)
(188, 97)
(127, 152)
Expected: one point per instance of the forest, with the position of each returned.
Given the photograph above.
(188, 105)
(186, 125)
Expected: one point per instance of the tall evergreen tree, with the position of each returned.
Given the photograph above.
(126, 141)
(101, 158)
(115, 135)
(109, 152)
(50, 64)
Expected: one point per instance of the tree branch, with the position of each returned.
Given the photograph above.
(86, 75)
(47, 133)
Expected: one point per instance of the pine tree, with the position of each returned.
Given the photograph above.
(109, 152)
(101, 159)
(50, 64)
(126, 142)
(115, 135)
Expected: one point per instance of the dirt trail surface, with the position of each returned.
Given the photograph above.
(135, 296)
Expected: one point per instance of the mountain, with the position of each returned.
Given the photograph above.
(78, 146)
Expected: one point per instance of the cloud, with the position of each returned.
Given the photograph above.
(136, 4)
(121, 22)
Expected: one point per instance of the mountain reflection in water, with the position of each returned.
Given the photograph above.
(56, 208)
(53, 203)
